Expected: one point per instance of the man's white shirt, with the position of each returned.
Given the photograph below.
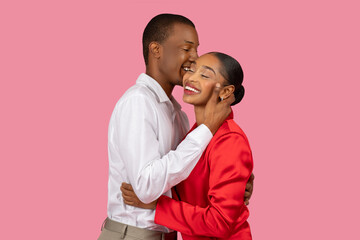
(145, 150)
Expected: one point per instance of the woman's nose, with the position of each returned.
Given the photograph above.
(192, 78)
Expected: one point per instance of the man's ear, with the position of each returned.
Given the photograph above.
(155, 49)
(226, 91)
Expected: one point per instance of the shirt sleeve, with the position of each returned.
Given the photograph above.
(230, 165)
(138, 146)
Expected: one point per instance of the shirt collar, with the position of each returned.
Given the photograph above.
(176, 105)
(231, 115)
(154, 86)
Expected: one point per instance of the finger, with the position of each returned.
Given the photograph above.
(127, 198)
(127, 192)
(215, 95)
(247, 195)
(134, 201)
(252, 177)
(246, 202)
(217, 89)
(129, 203)
(127, 186)
(249, 187)
(229, 100)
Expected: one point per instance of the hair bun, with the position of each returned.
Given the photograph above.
(239, 95)
(233, 74)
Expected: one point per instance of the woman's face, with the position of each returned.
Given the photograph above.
(200, 80)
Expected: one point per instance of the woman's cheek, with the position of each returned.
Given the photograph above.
(208, 87)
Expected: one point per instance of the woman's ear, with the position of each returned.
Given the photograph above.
(226, 91)
(155, 50)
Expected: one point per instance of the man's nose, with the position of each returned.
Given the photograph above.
(193, 56)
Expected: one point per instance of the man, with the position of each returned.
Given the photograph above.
(147, 127)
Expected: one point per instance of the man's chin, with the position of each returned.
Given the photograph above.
(182, 73)
(179, 81)
(180, 84)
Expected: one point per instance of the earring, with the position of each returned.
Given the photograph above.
(221, 98)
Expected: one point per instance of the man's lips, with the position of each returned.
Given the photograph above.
(185, 68)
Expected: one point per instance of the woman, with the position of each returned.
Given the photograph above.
(208, 204)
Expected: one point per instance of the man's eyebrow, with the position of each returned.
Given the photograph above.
(186, 41)
(207, 67)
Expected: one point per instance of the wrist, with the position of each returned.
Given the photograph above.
(210, 127)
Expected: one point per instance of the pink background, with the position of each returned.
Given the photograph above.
(64, 64)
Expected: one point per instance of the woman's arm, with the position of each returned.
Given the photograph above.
(231, 165)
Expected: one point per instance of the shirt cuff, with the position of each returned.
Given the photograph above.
(201, 135)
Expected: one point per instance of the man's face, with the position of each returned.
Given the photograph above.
(179, 51)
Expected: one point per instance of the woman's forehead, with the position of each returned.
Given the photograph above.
(208, 60)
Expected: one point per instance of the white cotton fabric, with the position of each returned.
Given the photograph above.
(145, 130)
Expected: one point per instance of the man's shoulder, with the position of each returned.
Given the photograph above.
(137, 92)
(137, 98)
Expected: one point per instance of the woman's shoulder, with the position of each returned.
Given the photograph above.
(230, 146)
(228, 128)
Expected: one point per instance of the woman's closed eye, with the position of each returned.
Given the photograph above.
(204, 76)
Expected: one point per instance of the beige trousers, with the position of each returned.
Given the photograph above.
(113, 230)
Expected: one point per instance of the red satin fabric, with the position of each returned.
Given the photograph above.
(212, 205)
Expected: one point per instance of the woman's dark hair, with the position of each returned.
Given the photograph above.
(233, 74)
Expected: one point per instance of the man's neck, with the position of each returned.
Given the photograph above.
(164, 83)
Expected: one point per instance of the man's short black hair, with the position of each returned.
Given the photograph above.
(159, 29)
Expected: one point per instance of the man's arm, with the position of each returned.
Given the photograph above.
(150, 174)
(249, 189)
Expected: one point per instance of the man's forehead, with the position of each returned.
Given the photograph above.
(183, 40)
(184, 33)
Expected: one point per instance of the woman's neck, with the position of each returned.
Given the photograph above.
(199, 114)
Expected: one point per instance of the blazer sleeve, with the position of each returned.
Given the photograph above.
(231, 164)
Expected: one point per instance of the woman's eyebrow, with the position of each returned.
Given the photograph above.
(207, 67)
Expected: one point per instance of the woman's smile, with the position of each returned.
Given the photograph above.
(190, 89)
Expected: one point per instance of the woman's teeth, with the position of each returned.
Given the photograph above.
(186, 69)
(191, 89)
